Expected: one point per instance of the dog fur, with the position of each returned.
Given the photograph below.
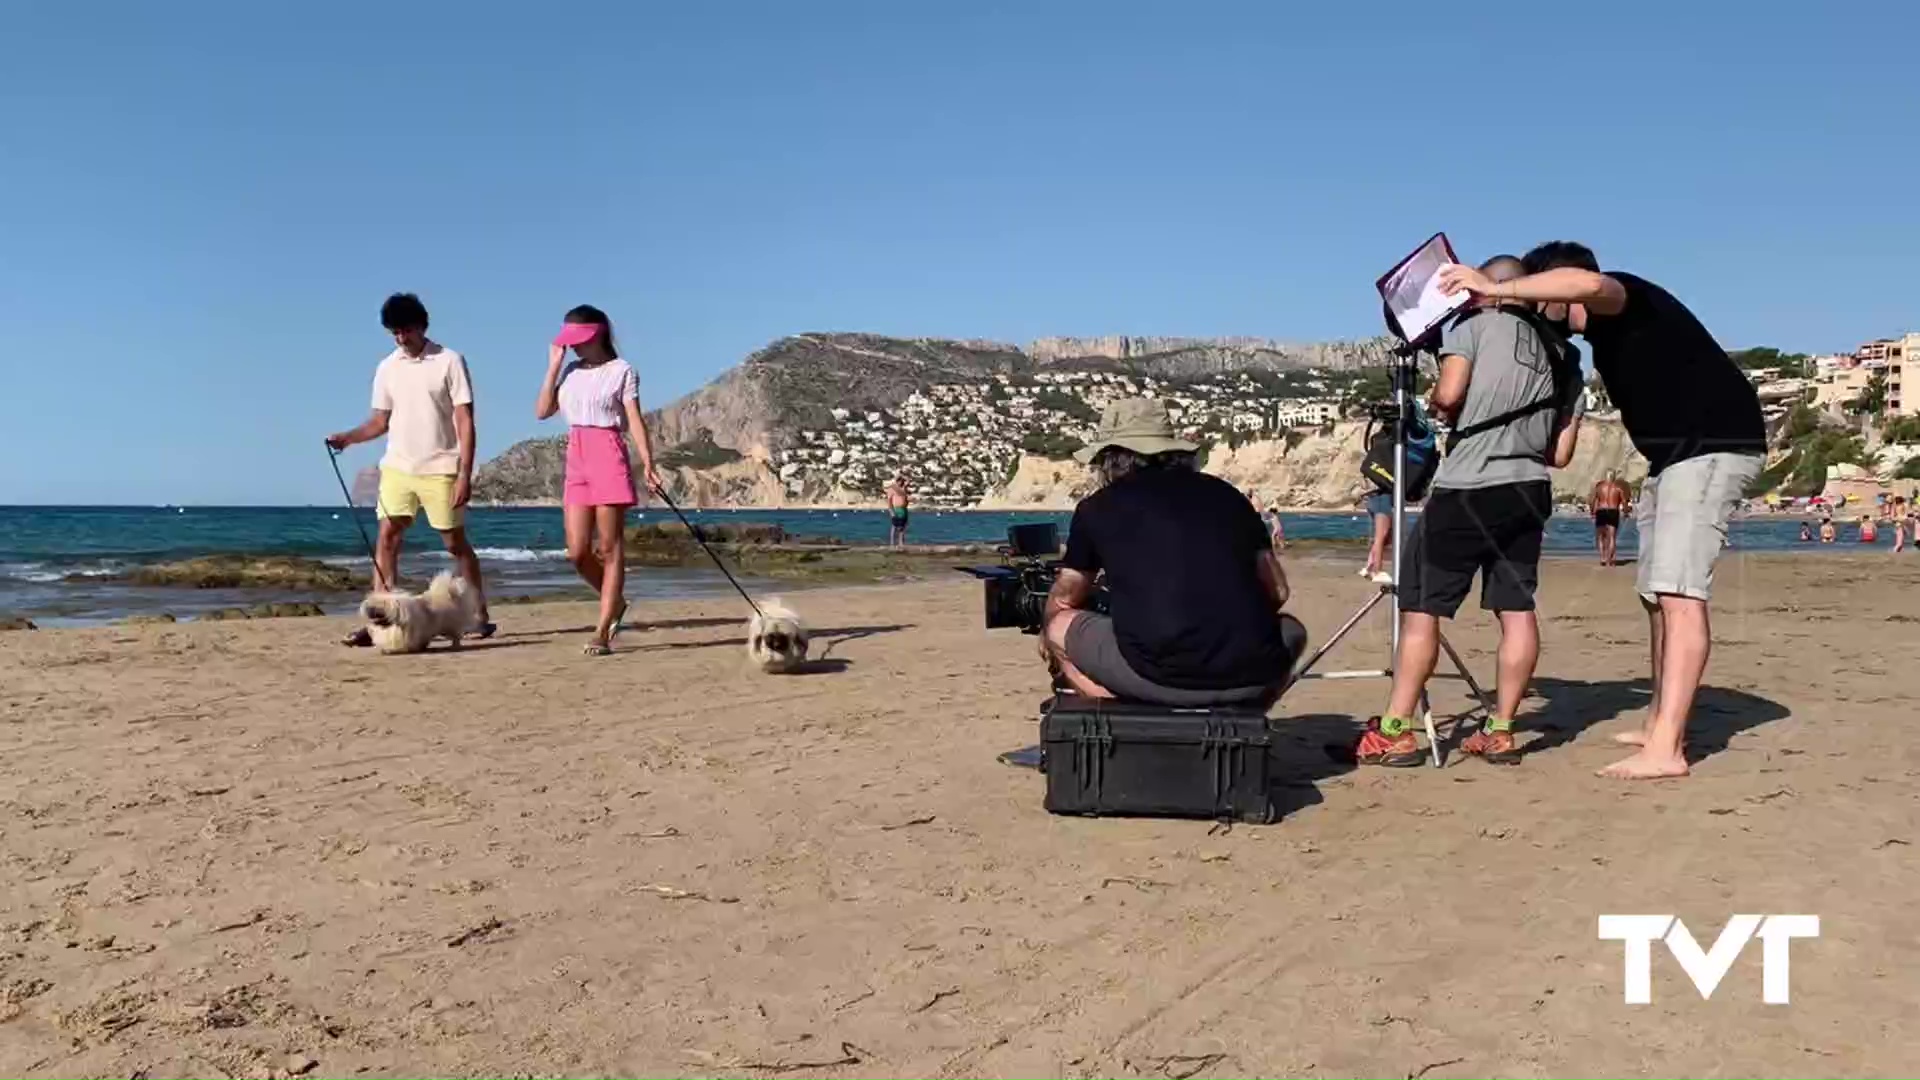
(777, 638)
(402, 622)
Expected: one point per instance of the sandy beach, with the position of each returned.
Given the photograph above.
(239, 849)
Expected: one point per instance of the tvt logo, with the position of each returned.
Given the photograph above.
(1706, 969)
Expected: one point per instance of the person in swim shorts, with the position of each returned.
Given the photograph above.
(1609, 503)
(423, 404)
(600, 395)
(898, 496)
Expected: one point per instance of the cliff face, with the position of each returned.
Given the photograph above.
(1178, 358)
(759, 407)
(1319, 472)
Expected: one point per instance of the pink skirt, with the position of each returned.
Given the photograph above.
(598, 470)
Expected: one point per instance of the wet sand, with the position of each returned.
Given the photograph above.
(237, 848)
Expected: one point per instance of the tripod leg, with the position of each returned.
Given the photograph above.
(1485, 701)
(1433, 738)
(1301, 671)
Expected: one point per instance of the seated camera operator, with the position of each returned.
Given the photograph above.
(1194, 588)
(1509, 384)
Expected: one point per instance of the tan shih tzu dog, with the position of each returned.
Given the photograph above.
(401, 622)
(776, 638)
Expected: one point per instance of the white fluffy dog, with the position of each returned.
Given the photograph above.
(776, 638)
(401, 622)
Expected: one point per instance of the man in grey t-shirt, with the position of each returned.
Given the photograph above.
(1512, 419)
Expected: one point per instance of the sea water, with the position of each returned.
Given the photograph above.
(61, 564)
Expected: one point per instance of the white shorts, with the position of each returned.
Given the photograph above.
(1682, 518)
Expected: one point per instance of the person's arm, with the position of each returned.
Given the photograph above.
(1600, 294)
(637, 427)
(1071, 591)
(548, 401)
(460, 394)
(464, 431)
(371, 428)
(1565, 442)
(1450, 389)
(1273, 578)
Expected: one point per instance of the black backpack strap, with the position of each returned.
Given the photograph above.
(1558, 361)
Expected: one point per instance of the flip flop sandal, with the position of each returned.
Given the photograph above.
(619, 620)
(598, 648)
(359, 639)
(484, 631)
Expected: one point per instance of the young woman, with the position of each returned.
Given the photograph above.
(601, 396)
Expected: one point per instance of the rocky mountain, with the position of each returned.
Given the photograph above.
(1320, 470)
(759, 407)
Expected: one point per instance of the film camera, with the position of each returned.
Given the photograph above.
(1016, 590)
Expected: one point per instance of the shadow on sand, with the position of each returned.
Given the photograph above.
(1572, 706)
(831, 636)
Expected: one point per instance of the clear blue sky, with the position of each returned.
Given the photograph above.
(202, 205)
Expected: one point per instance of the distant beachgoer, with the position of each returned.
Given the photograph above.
(898, 497)
(1806, 532)
(1380, 510)
(1897, 511)
(1868, 532)
(1610, 499)
(423, 404)
(600, 394)
(1276, 530)
(1828, 534)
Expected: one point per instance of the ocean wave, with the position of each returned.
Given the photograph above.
(39, 573)
(487, 554)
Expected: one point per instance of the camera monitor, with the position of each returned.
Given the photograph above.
(1039, 540)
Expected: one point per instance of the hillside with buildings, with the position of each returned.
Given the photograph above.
(828, 419)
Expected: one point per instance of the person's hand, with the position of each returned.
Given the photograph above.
(338, 442)
(462, 490)
(653, 480)
(556, 355)
(1454, 277)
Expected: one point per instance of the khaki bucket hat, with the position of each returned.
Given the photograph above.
(1137, 424)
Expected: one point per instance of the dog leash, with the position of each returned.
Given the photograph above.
(702, 541)
(334, 457)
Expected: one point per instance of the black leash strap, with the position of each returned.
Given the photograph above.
(378, 578)
(702, 541)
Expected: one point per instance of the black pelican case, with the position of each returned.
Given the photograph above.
(1121, 759)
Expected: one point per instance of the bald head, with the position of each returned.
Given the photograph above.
(1503, 268)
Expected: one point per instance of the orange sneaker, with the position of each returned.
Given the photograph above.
(1494, 746)
(1377, 748)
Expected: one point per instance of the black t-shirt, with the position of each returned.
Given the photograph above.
(1679, 394)
(1179, 550)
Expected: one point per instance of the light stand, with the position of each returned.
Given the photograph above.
(1402, 374)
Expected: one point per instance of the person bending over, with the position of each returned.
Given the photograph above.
(423, 404)
(1509, 386)
(1194, 589)
(1696, 419)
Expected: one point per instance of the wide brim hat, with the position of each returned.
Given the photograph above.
(1137, 424)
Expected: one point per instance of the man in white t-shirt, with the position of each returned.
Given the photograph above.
(423, 404)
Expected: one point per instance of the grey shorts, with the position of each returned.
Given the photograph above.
(1682, 518)
(1092, 648)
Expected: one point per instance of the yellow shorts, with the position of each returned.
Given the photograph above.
(404, 495)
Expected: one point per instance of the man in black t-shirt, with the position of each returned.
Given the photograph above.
(1696, 419)
(1194, 590)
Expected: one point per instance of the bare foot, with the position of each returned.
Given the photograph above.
(1631, 738)
(1645, 766)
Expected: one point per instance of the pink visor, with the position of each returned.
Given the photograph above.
(574, 333)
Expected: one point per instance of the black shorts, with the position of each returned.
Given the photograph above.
(1606, 518)
(1495, 531)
